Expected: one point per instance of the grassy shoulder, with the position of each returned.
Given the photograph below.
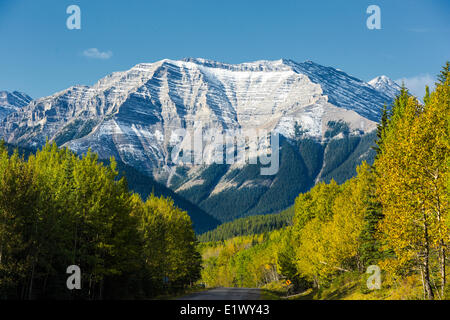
(350, 286)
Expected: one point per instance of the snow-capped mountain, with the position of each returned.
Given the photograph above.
(12, 101)
(385, 85)
(132, 115)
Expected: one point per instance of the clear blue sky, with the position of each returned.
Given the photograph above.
(40, 56)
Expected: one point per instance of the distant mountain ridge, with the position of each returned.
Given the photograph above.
(12, 101)
(325, 117)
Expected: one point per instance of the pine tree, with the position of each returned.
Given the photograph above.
(381, 131)
(370, 249)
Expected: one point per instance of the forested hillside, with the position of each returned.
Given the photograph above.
(145, 186)
(303, 162)
(58, 210)
(393, 215)
(25, 152)
(249, 226)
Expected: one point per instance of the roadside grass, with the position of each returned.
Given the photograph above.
(351, 286)
(270, 295)
(276, 290)
(279, 295)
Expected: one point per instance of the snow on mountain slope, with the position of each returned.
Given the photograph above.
(385, 85)
(12, 101)
(345, 91)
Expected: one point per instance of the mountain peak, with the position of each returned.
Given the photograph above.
(381, 79)
(144, 104)
(282, 64)
(386, 85)
(258, 65)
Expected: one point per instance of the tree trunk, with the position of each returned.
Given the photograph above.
(30, 289)
(44, 286)
(441, 242)
(423, 284)
(90, 288)
(24, 289)
(426, 266)
(101, 290)
(443, 271)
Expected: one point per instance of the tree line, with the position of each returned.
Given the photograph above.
(249, 225)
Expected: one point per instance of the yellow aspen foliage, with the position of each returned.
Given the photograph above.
(412, 185)
(328, 247)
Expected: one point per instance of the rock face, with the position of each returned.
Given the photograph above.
(11, 102)
(133, 116)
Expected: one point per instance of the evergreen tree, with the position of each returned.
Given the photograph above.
(370, 249)
(381, 131)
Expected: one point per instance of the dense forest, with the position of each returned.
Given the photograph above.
(58, 209)
(303, 160)
(144, 185)
(249, 225)
(393, 215)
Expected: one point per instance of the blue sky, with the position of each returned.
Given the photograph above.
(40, 56)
